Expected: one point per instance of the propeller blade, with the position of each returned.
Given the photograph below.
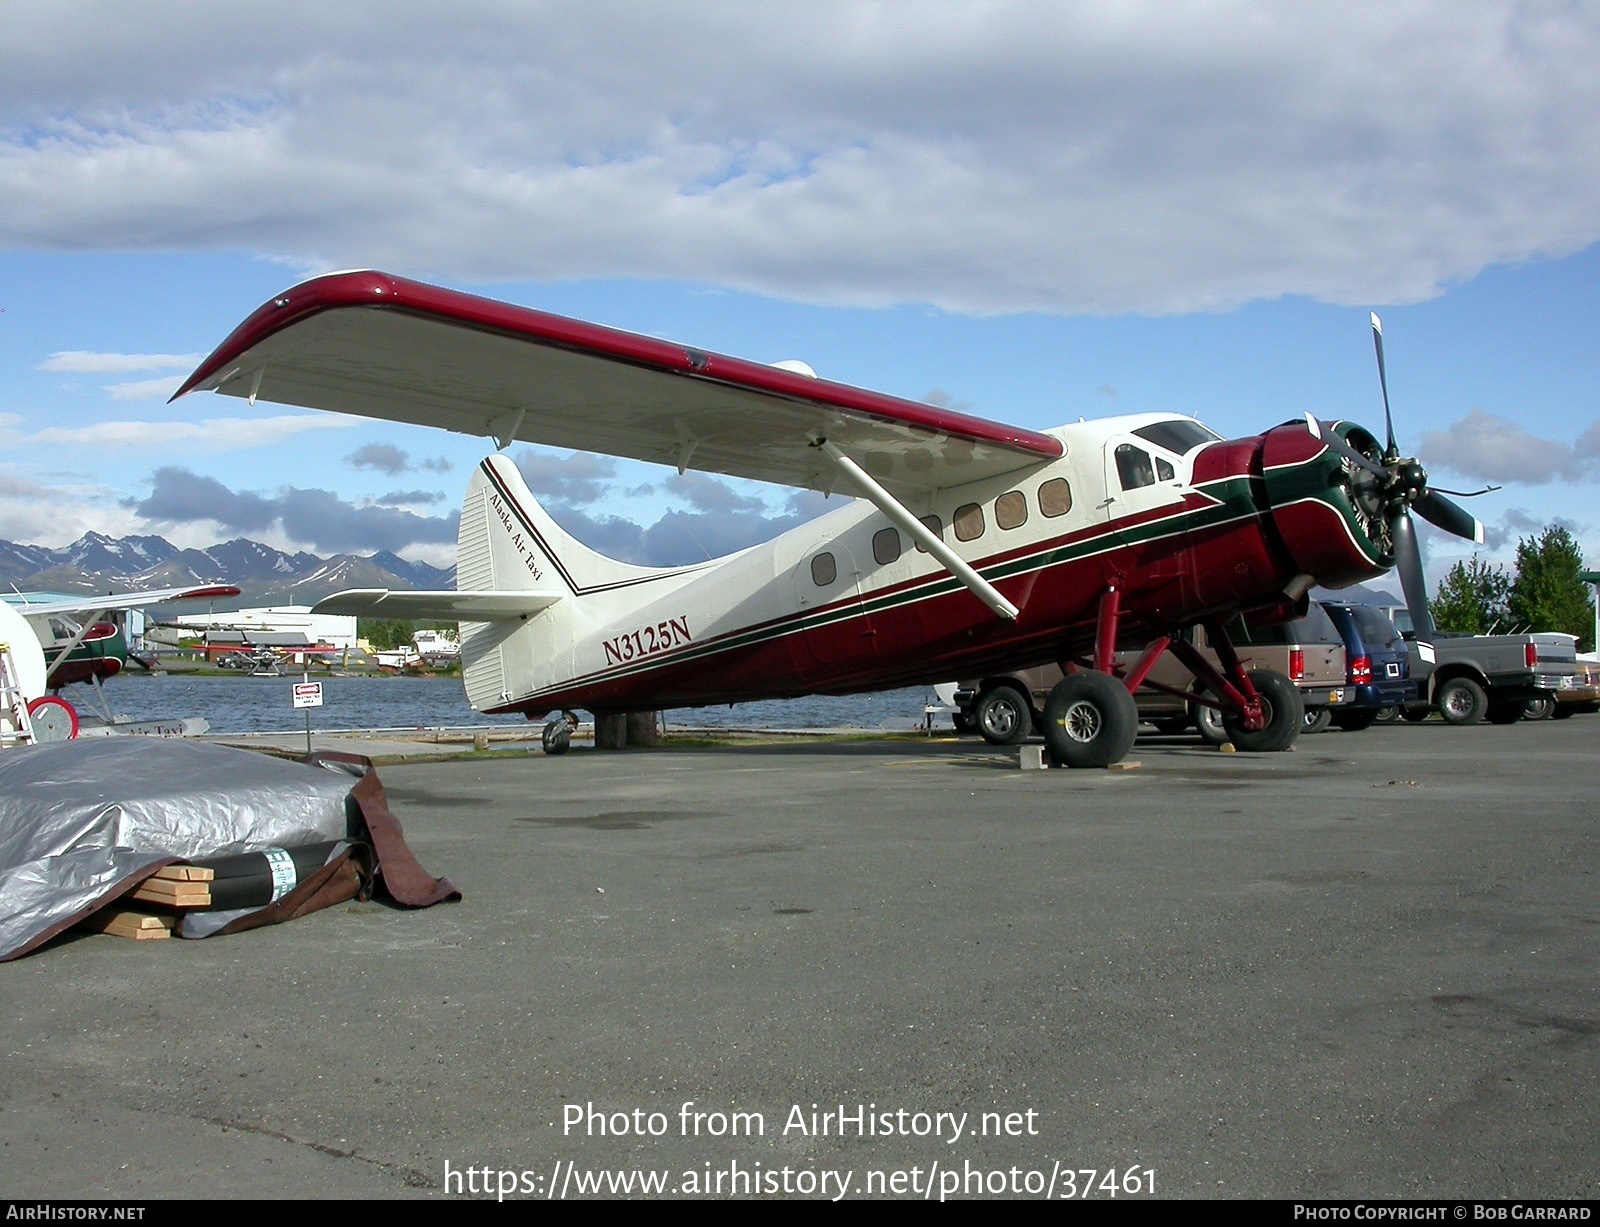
(1335, 443)
(1442, 513)
(1408, 561)
(1383, 382)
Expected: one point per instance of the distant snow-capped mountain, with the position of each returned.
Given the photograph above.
(266, 576)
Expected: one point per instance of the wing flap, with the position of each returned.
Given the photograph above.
(380, 346)
(445, 605)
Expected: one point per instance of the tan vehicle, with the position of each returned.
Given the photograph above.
(1006, 707)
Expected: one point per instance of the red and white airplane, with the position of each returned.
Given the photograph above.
(970, 546)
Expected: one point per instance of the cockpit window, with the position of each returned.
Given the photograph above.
(1178, 436)
(1133, 467)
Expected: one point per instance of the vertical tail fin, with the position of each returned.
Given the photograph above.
(507, 542)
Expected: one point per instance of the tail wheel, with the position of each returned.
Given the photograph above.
(1003, 716)
(557, 736)
(1283, 707)
(1090, 720)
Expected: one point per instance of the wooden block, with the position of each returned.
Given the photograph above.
(184, 873)
(1125, 765)
(139, 926)
(173, 894)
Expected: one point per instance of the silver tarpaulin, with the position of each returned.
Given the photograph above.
(78, 819)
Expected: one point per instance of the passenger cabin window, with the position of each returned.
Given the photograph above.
(935, 526)
(1055, 498)
(969, 522)
(1011, 509)
(886, 546)
(1164, 470)
(824, 570)
(1134, 467)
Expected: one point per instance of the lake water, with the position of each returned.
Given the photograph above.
(262, 705)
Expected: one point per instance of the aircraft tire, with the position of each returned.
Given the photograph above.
(557, 737)
(1285, 711)
(1003, 716)
(1090, 720)
(53, 718)
(1462, 701)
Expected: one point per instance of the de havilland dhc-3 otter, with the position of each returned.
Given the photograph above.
(971, 545)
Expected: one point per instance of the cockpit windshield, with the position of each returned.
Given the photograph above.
(1178, 436)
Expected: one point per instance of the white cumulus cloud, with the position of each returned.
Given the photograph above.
(1072, 156)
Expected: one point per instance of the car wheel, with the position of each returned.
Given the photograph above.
(963, 722)
(1284, 709)
(1355, 721)
(1564, 711)
(1504, 713)
(1003, 716)
(1415, 715)
(1208, 723)
(1090, 720)
(1462, 701)
(1541, 708)
(1170, 726)
(1317, 719)
(1388, 715)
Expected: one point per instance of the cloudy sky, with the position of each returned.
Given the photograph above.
(1035, 212)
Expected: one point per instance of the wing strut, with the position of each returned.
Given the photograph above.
(83, 630)
(908, 523)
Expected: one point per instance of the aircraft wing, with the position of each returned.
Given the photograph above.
(471, 606)
(379, 346)
(122, 600)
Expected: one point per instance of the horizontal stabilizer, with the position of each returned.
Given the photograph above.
(470, 606)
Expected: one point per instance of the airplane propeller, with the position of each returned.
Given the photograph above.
(1393, 486)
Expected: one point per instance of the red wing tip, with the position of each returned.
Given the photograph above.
(196, 594)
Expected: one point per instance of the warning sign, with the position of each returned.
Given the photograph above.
(308, 694)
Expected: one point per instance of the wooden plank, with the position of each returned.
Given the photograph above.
(173, 894)
(140, 926)
(183, 873)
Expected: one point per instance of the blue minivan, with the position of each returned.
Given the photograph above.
(1377, 660)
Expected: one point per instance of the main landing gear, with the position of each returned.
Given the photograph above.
(1091, 718)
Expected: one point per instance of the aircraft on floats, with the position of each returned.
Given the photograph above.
(970, 545)
(79, 639)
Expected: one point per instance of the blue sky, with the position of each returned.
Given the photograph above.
(1032, 212)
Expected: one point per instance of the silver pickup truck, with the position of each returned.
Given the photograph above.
(1497, 677)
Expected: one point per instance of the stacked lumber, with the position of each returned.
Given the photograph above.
(224, 883)
(177, 886)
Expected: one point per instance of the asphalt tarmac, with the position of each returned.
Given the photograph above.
(1366, 968)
